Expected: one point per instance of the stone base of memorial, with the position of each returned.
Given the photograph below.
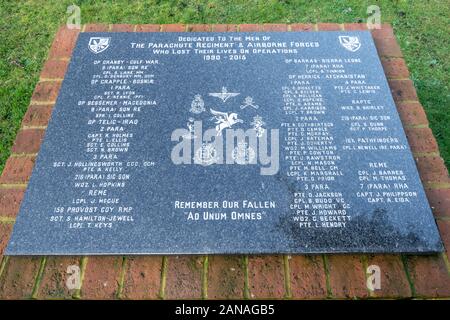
(246, 276)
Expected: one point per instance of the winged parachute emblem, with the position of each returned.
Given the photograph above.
(98, 44)
(350, 43)
(224, 95)
(224, 120)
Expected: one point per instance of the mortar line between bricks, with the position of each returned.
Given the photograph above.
(33, 127)
(84, 262)
(121, 278)
(397, 78)
(416, 126)
(425, 154)
(83, 29)
(51, 79)
(327, 276)
(408, 276)
(77, 292)
(162, 285)
(3, 265)
(447, 263)
(38, 279)
(407, 101)
(160, 28)
(365, 264)
(205, 278)
(437, 185)
(7, 220)
(13, 186)
(289, 27)
(42, 103)
(135, 28)
(410, 101)
(110, 27)
(287, 277)
(387, 59)
(246, 280)
(390, 56)
(23, 155)
(402, 79)
(443, 218)
(341, 25)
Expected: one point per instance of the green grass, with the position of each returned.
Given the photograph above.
(27, 29)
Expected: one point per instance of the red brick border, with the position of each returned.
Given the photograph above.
(223, 277)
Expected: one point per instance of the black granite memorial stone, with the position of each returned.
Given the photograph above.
(172, 143)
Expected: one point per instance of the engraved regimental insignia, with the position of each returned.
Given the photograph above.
(197, 105)
(98, 44)
(350, 43)
(243, 154)
(206, 155)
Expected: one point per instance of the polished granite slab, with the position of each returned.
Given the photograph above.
(224, 143)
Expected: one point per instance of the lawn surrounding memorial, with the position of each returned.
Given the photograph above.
(27, 29)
